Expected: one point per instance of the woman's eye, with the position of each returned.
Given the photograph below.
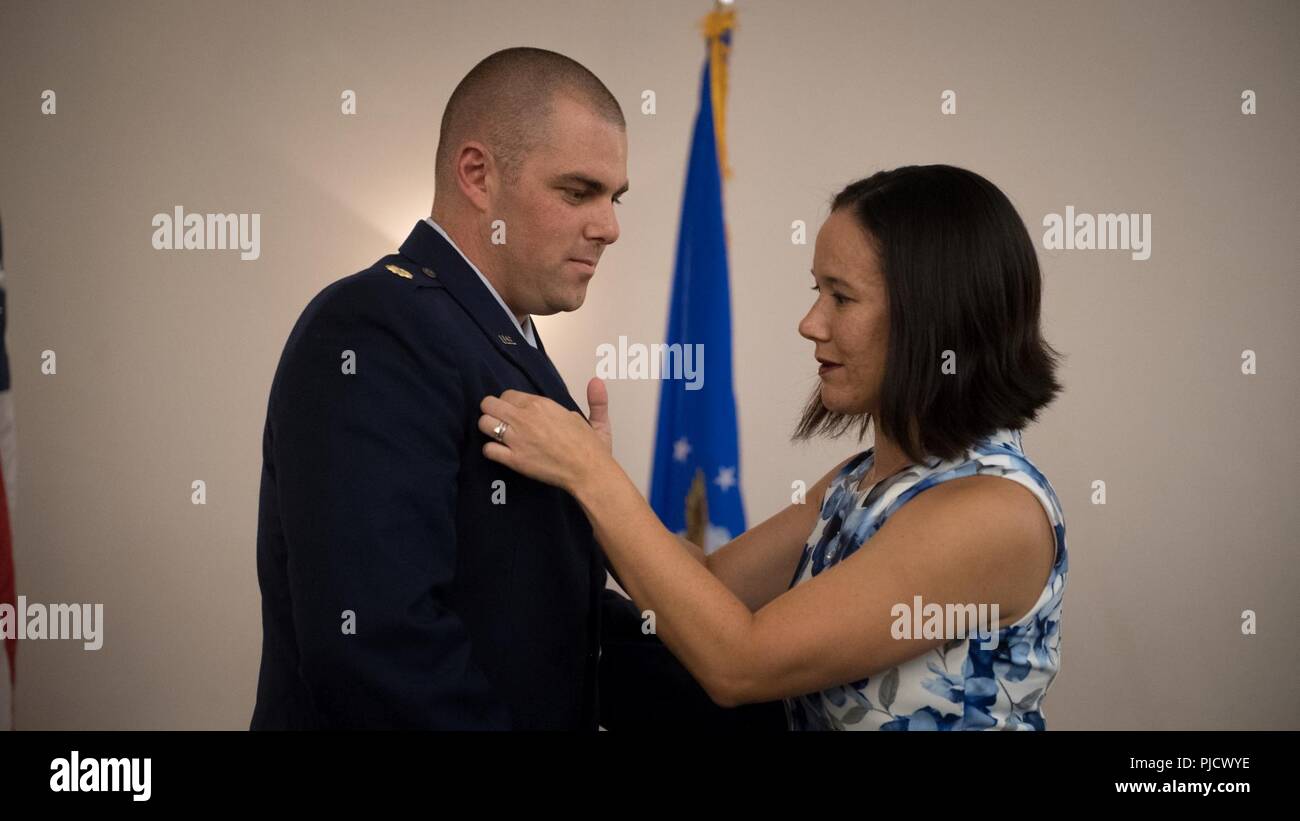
(839, 300)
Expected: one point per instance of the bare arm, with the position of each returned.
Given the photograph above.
(757, 565)
(974, 539)
(968, 540)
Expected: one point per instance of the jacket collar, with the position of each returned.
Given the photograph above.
(439, 260)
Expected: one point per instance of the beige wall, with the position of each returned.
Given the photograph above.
(165, 358)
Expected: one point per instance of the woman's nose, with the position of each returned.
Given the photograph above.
(811, 327)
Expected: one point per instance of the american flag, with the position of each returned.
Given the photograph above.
(9, 464)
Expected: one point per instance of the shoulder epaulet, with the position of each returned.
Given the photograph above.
(407, 269)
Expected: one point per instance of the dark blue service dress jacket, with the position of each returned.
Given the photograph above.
(407, 581)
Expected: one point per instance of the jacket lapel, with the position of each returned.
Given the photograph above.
(438, 259)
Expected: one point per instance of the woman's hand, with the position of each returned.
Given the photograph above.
(544, 441)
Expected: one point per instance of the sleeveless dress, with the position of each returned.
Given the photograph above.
(959, 685)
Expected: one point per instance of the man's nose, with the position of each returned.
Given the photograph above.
(605, 229)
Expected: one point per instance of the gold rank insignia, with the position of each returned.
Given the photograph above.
(401, 272)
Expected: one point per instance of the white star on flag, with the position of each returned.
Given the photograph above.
(726, 478)
(681, 449)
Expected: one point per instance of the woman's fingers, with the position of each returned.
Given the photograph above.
(499, 407)
(498, 453)
(487, 424)
(518, 398)
(542, 439)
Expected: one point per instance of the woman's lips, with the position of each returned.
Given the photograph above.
(827, 367)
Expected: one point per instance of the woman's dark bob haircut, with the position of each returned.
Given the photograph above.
(961, 275)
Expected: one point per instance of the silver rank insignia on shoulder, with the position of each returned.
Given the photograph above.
(429, 273)
(401, 272)
(505, 339)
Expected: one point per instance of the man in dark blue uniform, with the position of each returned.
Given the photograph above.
(407, 581)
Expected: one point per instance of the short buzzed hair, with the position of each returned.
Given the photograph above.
(506, 100)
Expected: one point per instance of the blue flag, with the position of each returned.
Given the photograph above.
(697, 459)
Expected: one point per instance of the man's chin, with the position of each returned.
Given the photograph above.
(560, 307)
(575, 301)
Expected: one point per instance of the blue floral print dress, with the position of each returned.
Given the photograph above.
(959, 685)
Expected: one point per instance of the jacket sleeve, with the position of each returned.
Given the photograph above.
(367, 465)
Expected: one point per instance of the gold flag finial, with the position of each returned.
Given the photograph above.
(718, 27)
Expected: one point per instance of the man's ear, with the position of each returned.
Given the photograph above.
(475, 172)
